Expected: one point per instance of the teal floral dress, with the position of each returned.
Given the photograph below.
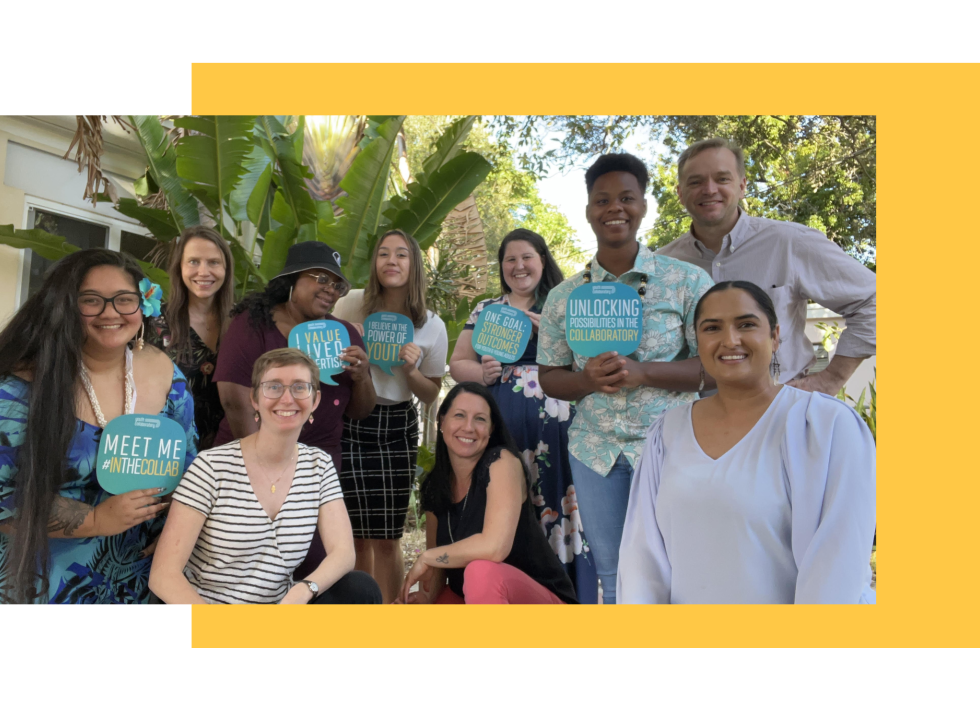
(89, 569)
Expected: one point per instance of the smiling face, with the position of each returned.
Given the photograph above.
(735, 342)
(285, 414)
(616, 208)
(522, 267)
(202, 268)
(394, 263)
(466, 426)
(711, 187)
(312, 300)
(110, 329)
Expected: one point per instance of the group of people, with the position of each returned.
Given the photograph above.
(683, 472)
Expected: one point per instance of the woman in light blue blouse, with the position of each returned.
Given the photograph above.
(71, 360)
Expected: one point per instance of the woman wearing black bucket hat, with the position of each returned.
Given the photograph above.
(306, 289)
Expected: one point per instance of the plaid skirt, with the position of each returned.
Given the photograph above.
(379, 454)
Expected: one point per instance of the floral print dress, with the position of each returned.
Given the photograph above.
(199, 371)
(539, 426)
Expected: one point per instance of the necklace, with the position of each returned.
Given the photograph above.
(641, 291)
(129, 388)
(272, 488)
(449, 522)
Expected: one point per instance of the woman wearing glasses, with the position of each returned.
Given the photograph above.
(189, 329)
(70, 361)
(306, 289)
(245, 513)
(380, 451)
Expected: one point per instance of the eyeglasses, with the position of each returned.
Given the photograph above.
(299, 390)
(125, 303)
(338, 285)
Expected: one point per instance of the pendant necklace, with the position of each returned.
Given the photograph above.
(641, 291)
(129, 389)
(272, 487)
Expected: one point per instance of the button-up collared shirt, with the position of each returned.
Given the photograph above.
(794, 264)
(607, 425)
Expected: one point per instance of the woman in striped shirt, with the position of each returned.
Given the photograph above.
(244, 514)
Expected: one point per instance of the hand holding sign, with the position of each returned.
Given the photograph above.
(502, 332)
(324, 341)
(140, 452)
(384, 335)
(603, 317)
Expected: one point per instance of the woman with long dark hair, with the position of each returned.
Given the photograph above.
(307, 288)
(762, 493)
(538, 423)
(483, 539)
(191, 323)
(380, 450)
(66, 369)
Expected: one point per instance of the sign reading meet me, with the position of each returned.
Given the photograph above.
(139, 452)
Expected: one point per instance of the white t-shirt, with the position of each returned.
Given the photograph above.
(431, 339)
(242, 556)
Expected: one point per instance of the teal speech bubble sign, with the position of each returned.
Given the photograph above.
(384, 335)
(138, 452)
(323, 341)
(605, 316)
(502, 332)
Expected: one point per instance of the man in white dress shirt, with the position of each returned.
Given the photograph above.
(791, 262)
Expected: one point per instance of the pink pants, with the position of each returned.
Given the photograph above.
(491, 583)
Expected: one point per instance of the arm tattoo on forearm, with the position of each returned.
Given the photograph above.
(67, 515)
(444, 559)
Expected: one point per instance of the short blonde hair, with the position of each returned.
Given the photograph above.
(283, 357)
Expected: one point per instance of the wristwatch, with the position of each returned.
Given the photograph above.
(314, 588)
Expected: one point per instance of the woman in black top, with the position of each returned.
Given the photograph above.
(485, 545)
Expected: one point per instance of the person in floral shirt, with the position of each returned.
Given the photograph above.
(619, 397)
(538, 423)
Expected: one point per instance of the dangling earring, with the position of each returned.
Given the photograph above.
(256, 416)
(701, 386)
(139, 338)
(311, 418)
(290, 293)
(774, 368)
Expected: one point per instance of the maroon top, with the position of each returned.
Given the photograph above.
(242, 345)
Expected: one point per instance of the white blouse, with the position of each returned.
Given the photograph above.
(787, 515)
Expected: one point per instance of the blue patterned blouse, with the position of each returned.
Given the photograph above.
(105, 569)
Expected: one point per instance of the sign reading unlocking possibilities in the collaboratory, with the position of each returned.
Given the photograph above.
(605, 316)
(323, 341)
(502, 332)
(138, 452)
(384, 335)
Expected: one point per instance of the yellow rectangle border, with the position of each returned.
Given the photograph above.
(927, 491)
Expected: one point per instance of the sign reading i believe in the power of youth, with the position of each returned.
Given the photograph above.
(605, 316)
(138, 452)
(323, 341)
(501, 332)
(384, 335)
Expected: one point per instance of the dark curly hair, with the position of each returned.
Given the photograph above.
(617, 162)
(259, 305)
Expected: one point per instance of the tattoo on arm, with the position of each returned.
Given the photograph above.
(67, 515)
(444, 559)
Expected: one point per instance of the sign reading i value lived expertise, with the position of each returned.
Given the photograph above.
(138, 452)
(605, 316)
(502, 332)
(384, 335)
(323, 341)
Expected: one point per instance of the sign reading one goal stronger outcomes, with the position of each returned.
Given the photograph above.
(601, 317)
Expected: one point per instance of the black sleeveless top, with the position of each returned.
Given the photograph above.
(530, 552)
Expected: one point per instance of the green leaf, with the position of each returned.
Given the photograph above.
(364, 183)
(449, 144)
(48, 246)
(248, 196)
(292, 173)
(163, 168)
(211, 163)
(158, 222)
(278, 241)
(444, 189)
